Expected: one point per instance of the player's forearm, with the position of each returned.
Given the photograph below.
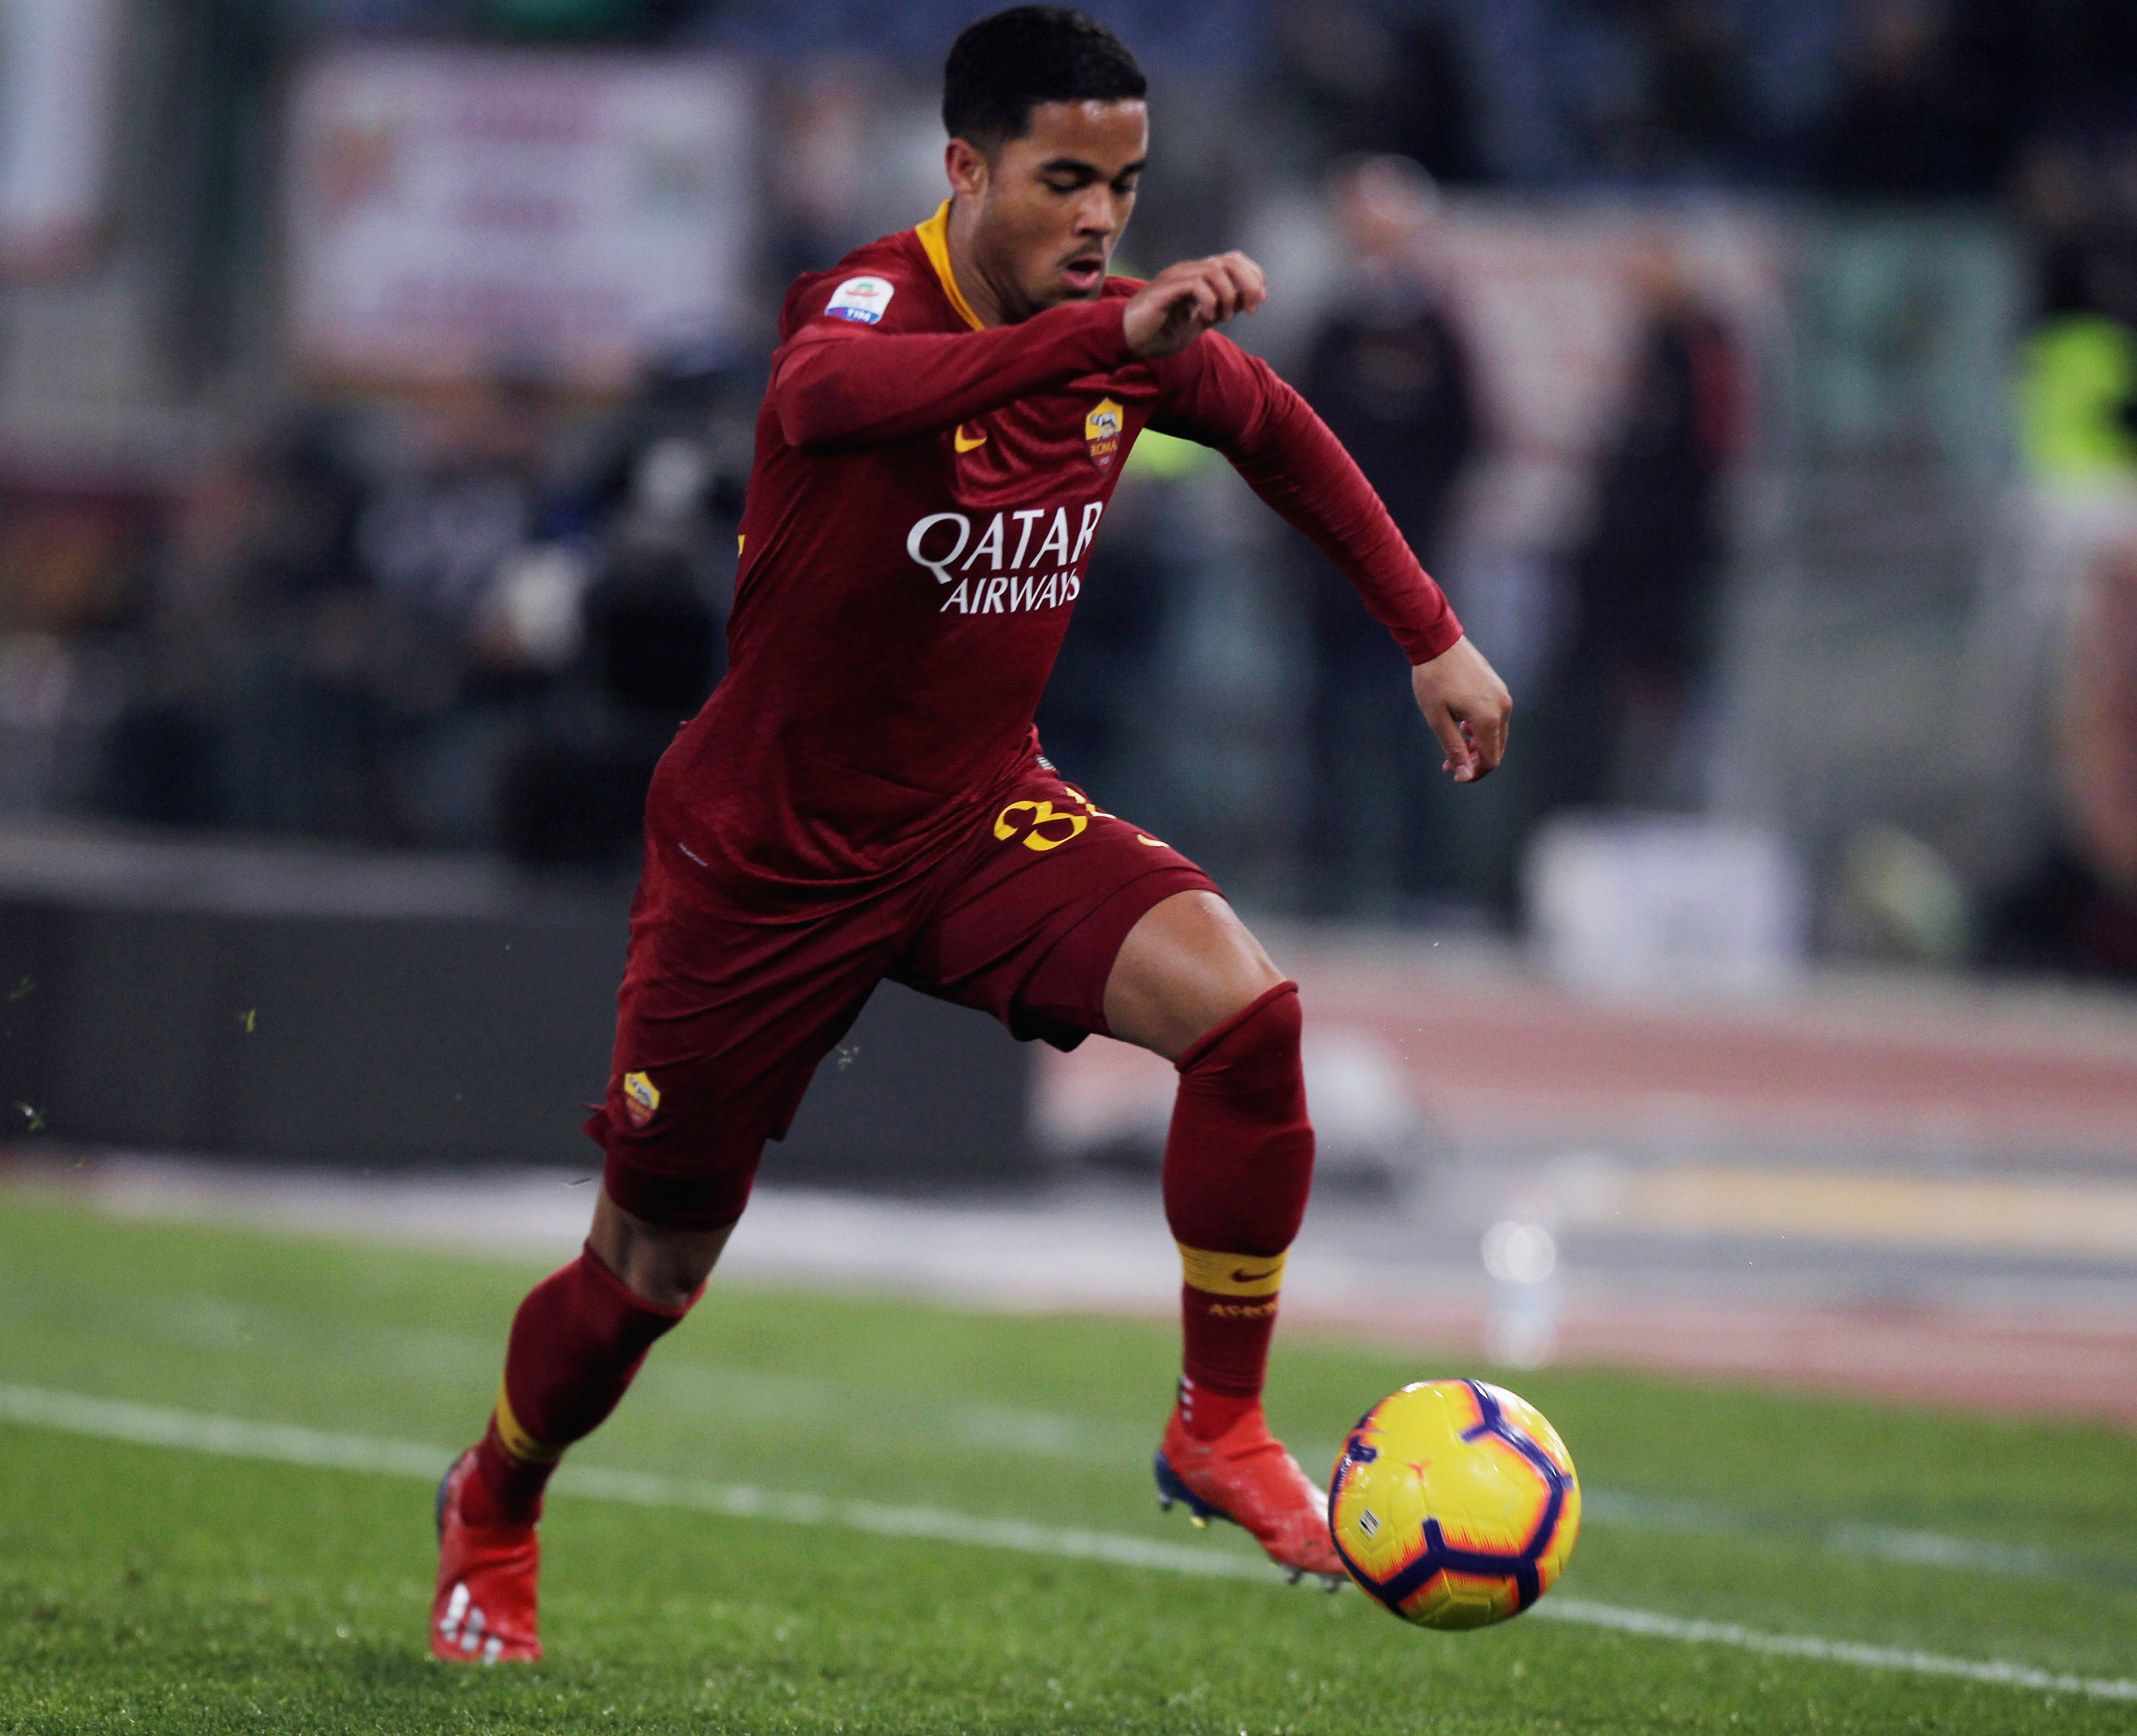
(838, 389)
(1301, 470)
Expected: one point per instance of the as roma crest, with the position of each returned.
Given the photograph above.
(641, 1096)
(1101, 432)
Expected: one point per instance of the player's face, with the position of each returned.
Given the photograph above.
(1052, 204)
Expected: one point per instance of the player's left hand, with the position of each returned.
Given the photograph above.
(1468, 706)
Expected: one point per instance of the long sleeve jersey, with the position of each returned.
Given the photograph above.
(925, 495)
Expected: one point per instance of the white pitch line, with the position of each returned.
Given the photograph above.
(284, 1443)
(1836, 1651)
(1612, 1507)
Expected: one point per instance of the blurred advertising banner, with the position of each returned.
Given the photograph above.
(59, 66)
(455, 213)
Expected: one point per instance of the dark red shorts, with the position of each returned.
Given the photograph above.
(724, 1016)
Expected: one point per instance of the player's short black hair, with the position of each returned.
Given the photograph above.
(1004, 66)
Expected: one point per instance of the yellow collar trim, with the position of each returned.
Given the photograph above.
(935, 237)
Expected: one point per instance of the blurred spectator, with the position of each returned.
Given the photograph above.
(1931, 100)
(2077, 370)
(1658, 87)
(1645, 580)
(2098, 743)
(2078, 911)
(2056, 194)
(664, 495)
(2066, 70)
(817, 176)
(1389, 372)
(574, 793)
(433, 533)
(1893, 130)
(76, 555)
(1390, 376)
(586, 20)
(1364, 84)
(668, 470)
(1211, 37)
(474, 554)
(253, 695)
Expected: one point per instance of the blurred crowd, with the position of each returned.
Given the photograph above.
(1870, 98)
(473, 621)
(1858, 98)
(473, 615)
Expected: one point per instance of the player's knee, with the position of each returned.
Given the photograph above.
(1189, 967)
(665, 1264)
(1256, 1047)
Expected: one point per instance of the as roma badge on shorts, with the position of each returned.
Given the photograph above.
(641, 1096)
(1101, 432)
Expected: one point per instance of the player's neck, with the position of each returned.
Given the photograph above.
(992, 303)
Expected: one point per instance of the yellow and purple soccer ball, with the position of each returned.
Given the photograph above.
(1455, 1504)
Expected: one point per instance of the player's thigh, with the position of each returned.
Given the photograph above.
(1029, 919)
(1188, 965)
(719, 1028)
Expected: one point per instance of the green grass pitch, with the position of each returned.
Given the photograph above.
(152, 1587)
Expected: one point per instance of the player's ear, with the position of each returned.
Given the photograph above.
(966, 165)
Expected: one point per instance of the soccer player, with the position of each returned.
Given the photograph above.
(865, 796)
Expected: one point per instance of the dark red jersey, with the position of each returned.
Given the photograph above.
(919, 523)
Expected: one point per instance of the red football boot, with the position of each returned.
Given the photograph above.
(1246, 1477)
(484, 1612)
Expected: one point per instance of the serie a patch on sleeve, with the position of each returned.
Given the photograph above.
(863, 299)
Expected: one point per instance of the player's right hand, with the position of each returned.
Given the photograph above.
(1183, 301)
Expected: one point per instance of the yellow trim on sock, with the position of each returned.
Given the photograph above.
(521, 1444)
(935, 237)
(1221, 1274)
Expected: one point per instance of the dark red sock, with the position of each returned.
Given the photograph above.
(1239, 1163)
(576, 1342)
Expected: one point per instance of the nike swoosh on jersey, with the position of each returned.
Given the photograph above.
(1241, 1276)
(959, 440)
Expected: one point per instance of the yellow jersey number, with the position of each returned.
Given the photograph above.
(1043, 814)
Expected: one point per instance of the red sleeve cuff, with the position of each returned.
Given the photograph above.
(1421, 645)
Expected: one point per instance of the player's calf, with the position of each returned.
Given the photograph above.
(1239, 1165)
(577, 1343)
